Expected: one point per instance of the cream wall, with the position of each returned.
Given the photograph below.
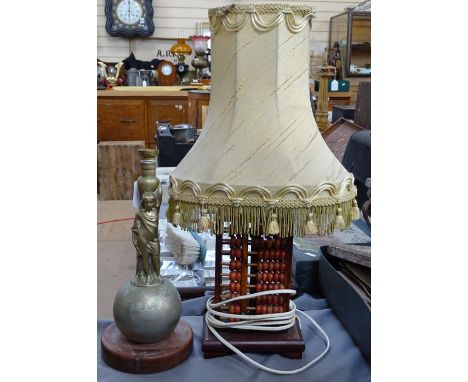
(174, 17)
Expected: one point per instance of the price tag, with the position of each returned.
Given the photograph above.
(334, 86)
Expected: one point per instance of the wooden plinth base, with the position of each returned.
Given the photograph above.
(288, 343)
(130, 357)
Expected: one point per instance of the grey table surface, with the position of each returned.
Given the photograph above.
(343, 362)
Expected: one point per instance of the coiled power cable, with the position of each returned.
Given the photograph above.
(263, 322)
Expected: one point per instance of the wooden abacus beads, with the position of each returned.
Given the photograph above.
(260, 263)
(271, 273)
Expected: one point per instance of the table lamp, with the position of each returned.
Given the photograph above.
(180, 50)
(260, 173)
(200, 45)
(147, 335)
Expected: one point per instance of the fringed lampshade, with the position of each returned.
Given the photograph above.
(260, 165)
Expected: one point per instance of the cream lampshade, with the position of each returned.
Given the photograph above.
(260, 163)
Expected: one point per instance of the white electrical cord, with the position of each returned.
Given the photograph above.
(265, 322)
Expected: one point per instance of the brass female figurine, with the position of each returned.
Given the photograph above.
(146, 241)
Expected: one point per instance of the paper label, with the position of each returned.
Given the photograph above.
(334, 86)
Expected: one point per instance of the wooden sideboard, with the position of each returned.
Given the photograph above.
(131, 115)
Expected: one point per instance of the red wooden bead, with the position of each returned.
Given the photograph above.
(280, 309)
(264, 287)
(238, 253)
(232, 265)
(261, 254)
(275, 277)
(276, 255)
(270, 267)
(264, 276)
(269, 243)
(232, 286)
(264, 309)
(280, 299)
(258, 309)
(232, 242)
(239, 242)
(237, 309)
(238, 276)
(276, 266)
(277, 243)
(258, 300)
(238, 265)
(261, 243)
(269, 309)
(232, 276)
(281, 286)
(282, 267)
(269, 299)
(271, 286)
(260, 265)
(237, 287)
(258, 287)
(281, 278)
(232, 308)
(281, 255)
(232, 254)
(258, 277)
(275, 299)
(275, 309)
(270, 277)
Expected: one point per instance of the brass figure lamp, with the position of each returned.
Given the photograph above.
(147, 334)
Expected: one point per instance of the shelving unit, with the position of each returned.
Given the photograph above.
(352, 30)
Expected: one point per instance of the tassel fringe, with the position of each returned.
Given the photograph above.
(204, 222)
(176, 216)
(339, 221)
(311, 228)
(273, 227)
(252, 219)
(354, 213)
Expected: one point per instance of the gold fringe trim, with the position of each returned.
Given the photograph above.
(251, 219)
(355, 214)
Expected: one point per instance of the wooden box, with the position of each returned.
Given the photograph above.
(118, 168)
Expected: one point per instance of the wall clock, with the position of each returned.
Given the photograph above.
(129, 18)
(167, 75)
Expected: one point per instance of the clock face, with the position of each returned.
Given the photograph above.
(166, 70)
(129, 12)
(129, 18)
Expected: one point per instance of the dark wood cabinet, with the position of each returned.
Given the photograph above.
(174, 111)
(121, 120)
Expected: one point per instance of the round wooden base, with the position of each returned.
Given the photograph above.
(129, 357)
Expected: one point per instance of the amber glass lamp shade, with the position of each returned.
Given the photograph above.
(181, 47)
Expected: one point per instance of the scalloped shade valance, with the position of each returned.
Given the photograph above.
(260, 163)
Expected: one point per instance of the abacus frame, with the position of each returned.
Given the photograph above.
(246, 282)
